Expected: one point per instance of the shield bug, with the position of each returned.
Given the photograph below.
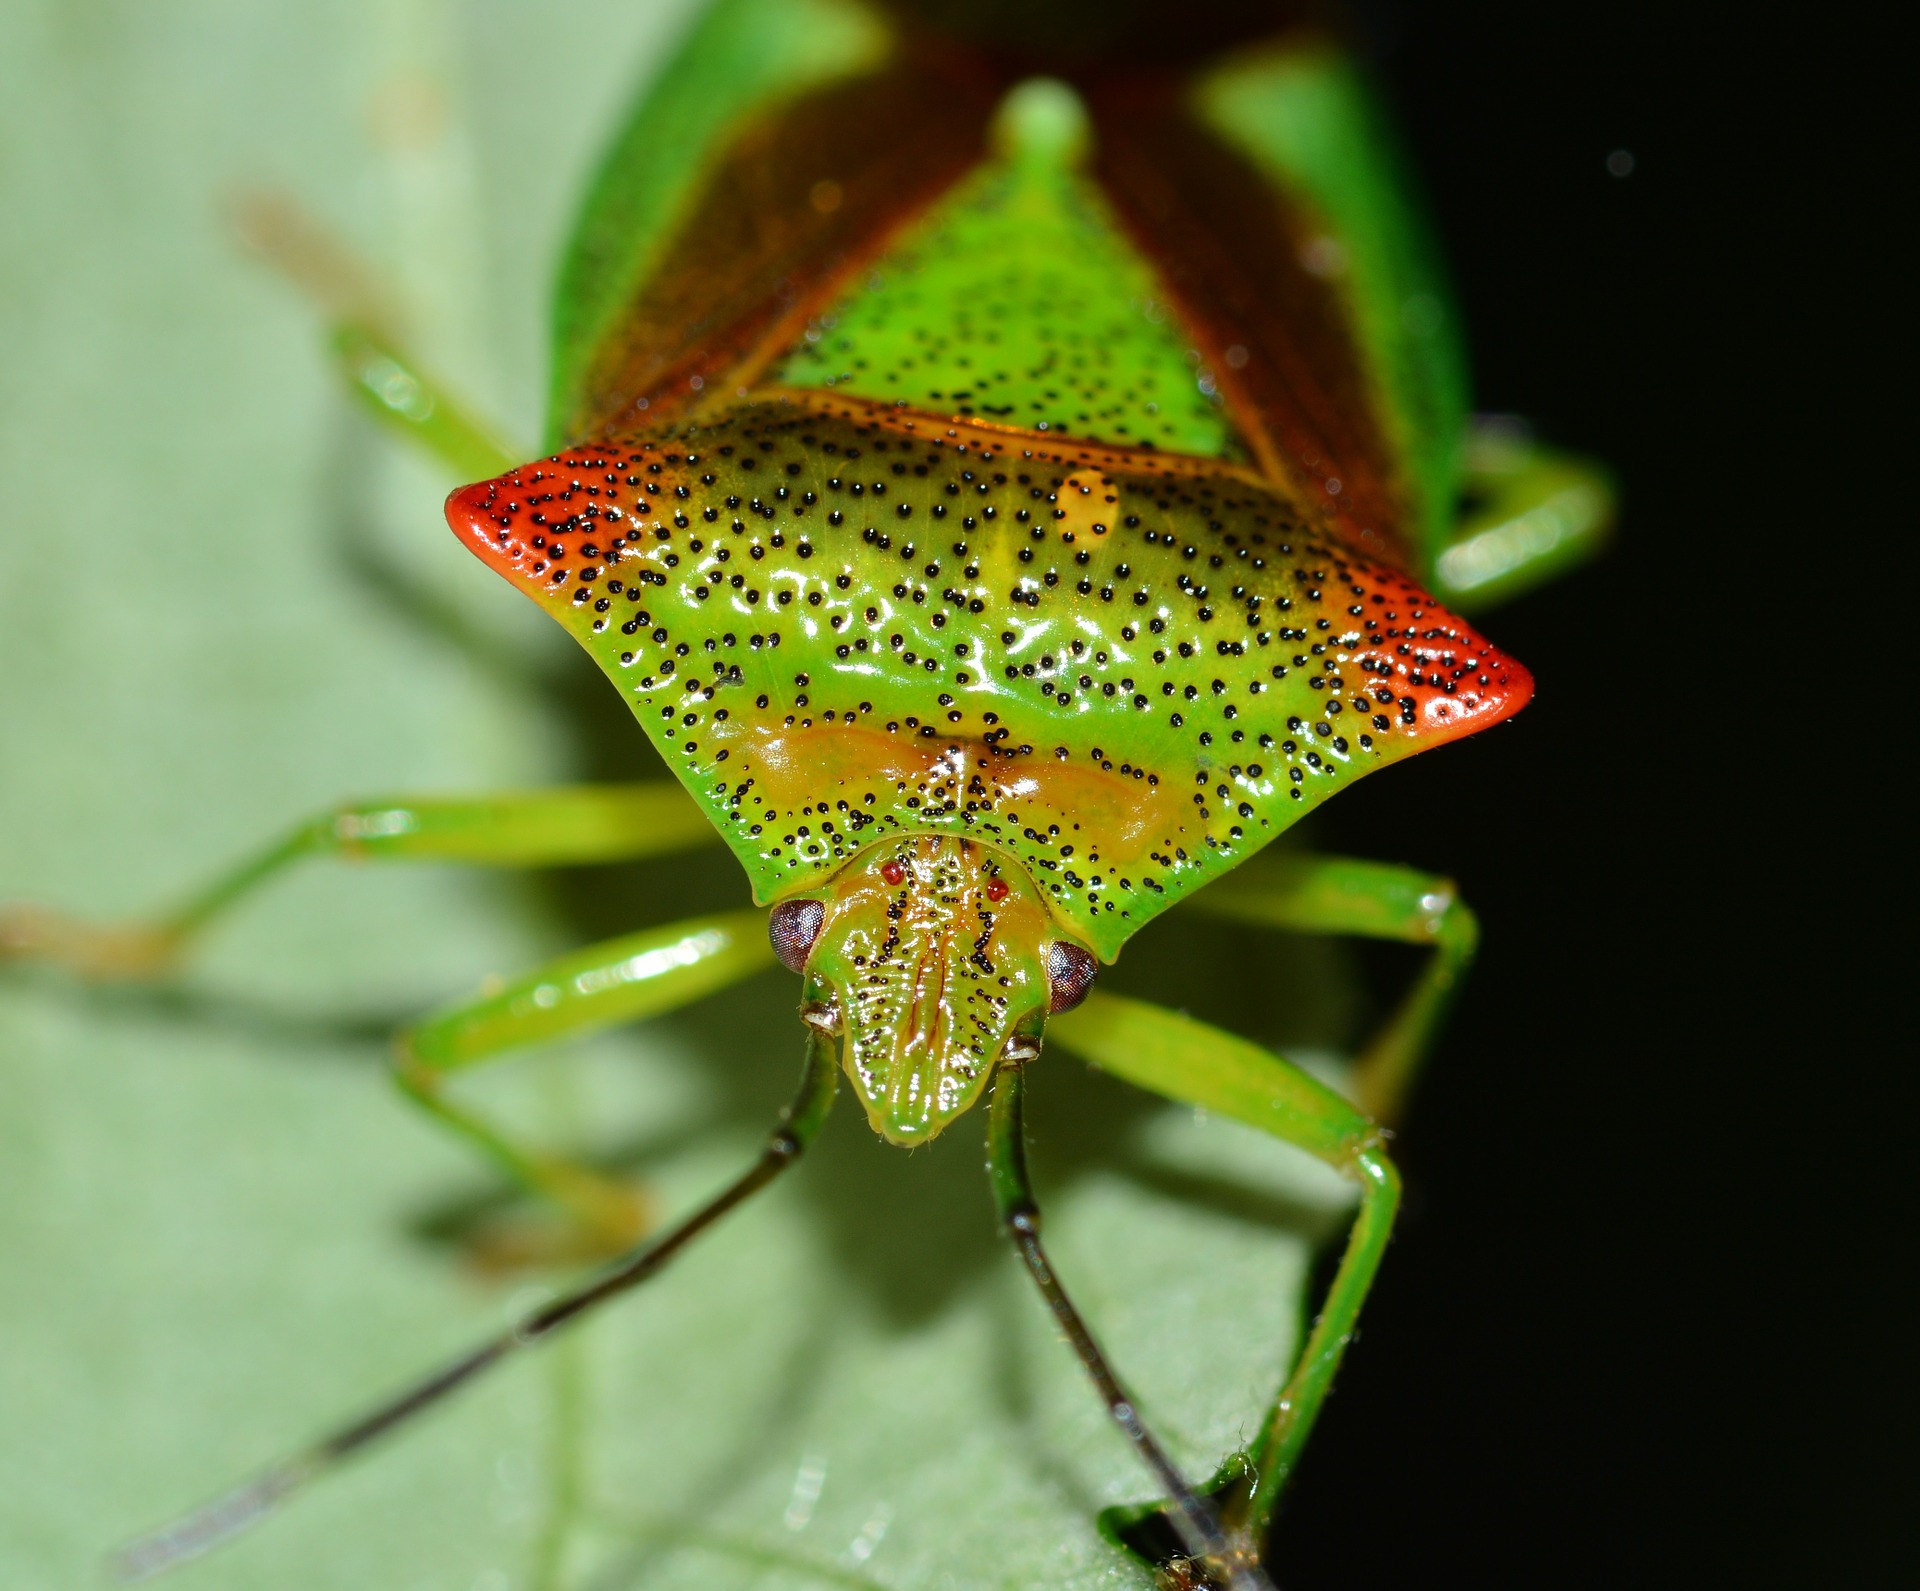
(1008, 479)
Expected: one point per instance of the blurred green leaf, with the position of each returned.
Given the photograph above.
(218, 1224)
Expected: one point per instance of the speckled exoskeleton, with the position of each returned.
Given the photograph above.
(1011, 479)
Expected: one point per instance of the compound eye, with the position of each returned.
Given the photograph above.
(1070, 974)
(793, 927)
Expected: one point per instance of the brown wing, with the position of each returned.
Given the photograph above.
(1229, 249)
(802, 198)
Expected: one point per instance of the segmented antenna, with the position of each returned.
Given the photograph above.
(1191, 1516)
(247, 1505)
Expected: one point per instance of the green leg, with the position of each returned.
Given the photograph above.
(367, 351)
(392, 387)
(538, 828)
(1342, 895)
(622, 980)
(1200, 1065)
(1535, 513)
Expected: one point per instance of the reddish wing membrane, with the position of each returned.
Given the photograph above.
(803, 198)
(1233, 256)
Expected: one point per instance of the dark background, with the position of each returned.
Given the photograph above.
(1637, 1327)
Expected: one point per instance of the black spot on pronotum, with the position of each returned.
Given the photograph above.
(793, 927)
(1070, 974)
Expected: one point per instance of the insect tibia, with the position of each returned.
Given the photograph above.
(99, 952)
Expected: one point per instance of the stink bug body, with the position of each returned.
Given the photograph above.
(1007, 479)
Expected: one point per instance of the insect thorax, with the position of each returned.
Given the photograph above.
(980, 554)
(840, 622)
